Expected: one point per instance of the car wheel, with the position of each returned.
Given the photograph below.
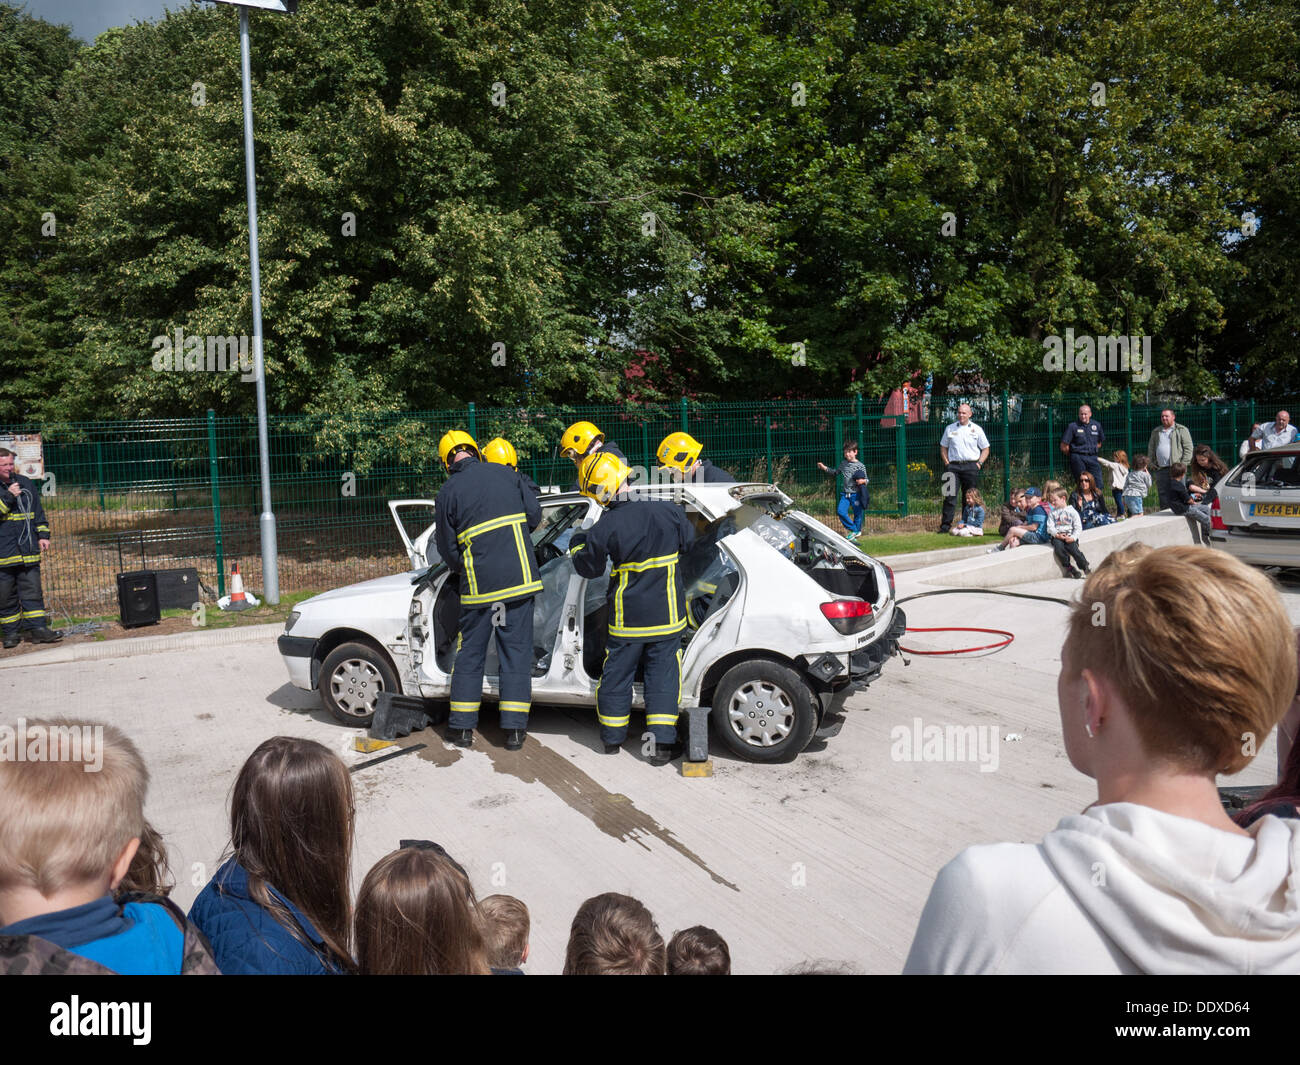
(764, 711)
(351, 678)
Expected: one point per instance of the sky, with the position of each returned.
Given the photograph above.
(89, 18)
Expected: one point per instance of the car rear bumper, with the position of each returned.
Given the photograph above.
(1258, 548)
(865, 665)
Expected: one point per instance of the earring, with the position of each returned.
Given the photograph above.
(1088, 729)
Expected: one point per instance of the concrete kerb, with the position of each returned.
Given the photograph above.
(1033, 562)
(921, 559)
(144, 645)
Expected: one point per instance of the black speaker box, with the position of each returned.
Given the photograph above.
(178, 589)
(137, 598)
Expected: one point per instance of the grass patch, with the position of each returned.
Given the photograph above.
(910, 542)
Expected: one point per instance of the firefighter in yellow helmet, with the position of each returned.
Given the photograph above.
(502, 452)
(582, 439)
(679, 453)
(484, 514)
(643, 540)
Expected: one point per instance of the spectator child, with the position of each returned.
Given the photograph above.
(416, 916)
(1034, 531)
(1153, 706)
(1136, 487)
(972, 515)
(1012, 512)
(68, 836)
(281, 903)
(1119, 470)
(853, 480)
(1181, 502)
(614, 935)
(698, 951)
(505, 927)
(150, 871)
(1065, 526)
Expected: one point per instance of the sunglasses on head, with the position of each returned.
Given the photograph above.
(429, 845)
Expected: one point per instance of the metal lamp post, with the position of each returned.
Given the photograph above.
(270, 558)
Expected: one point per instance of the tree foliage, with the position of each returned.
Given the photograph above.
(515, 204)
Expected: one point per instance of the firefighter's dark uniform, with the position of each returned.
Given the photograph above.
(707, 473)
(22, 527)
(484, 514)
(647, 610)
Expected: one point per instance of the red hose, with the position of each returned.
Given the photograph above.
(961, 650)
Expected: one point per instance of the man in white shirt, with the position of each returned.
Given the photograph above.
(1276, 433)
(965, 449)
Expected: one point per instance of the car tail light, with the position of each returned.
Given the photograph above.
(890, 574)
(1216, 517)
(847, 615)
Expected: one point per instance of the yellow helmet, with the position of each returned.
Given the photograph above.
(451, 441)
(577, 440)
(601, 475)
(680, 451)
(500, 451)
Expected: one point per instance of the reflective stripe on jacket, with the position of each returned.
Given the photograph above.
(484, 514)
(643, 540)
(22, 524)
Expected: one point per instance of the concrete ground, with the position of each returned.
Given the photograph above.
(830, 857)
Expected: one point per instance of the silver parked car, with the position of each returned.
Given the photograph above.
(1257, 514)
(787, 618)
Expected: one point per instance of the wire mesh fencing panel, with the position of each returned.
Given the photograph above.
(186, 492)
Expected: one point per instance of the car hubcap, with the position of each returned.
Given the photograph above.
(761, 713)
(356, 686)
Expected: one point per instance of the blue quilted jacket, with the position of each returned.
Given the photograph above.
(247, 939)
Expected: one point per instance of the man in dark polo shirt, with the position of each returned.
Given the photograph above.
(1082, 442)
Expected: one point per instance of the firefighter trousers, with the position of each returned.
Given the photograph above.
(512, 624)
(20, 598)
(662, 687)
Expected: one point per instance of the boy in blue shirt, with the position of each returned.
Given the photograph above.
(71, 821)
(1034, 531)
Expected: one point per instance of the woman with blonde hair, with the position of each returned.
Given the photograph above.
(1153, 877)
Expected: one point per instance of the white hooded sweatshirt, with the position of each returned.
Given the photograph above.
(1121, 889)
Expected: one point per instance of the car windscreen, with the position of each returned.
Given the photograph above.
(1267, 471)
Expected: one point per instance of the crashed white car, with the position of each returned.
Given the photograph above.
(787, 618)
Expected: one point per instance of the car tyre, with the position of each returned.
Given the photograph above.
(351, 678)
(764, 711)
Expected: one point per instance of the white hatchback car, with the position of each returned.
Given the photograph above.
(1257, 514)
(787, 618)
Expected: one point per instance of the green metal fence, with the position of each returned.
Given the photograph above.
(186, 492)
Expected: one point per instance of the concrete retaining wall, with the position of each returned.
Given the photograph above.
(1033, 562)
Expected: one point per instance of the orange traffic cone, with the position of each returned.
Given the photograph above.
(238, 600)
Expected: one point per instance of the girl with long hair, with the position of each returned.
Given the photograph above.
(416, 916)
(282, 902)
